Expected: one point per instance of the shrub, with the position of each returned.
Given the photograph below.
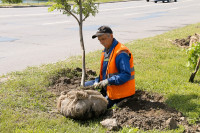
(194, 54)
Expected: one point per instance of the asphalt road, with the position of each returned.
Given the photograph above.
(32, 36)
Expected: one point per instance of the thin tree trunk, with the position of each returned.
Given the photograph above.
(82, 45)
(194, 73)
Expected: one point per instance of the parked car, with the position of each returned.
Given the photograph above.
(163, 1)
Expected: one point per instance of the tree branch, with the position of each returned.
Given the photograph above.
(73, 16)
(86, 17)
(194, 73)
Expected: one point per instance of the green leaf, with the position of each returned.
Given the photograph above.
(193, 55)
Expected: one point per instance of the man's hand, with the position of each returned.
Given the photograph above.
(101, 84)
(95, 84)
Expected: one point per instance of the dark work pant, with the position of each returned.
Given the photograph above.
(110, 102)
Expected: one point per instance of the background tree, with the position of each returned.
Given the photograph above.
(80, 10)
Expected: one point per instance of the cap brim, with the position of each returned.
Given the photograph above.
(97, 34)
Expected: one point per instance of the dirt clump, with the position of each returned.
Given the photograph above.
(187, 42)
(144, 110)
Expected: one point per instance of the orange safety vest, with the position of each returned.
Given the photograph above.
(126, 89)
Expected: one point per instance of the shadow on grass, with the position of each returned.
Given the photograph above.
(89, 121)
(196, 82)
(187, 104)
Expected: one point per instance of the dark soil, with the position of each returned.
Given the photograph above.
(185, 42)
(144, 110)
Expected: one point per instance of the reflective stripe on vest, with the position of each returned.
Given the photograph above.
(132, 77)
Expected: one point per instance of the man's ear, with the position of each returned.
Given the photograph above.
(111, 35)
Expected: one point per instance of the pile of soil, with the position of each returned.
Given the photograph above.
(185, 42)
(68, 79)
(144, 110)
(148, 111)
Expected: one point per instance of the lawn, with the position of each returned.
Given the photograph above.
(27, 105)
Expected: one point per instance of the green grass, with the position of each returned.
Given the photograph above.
(26, 105)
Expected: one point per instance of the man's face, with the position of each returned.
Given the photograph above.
(106, 40)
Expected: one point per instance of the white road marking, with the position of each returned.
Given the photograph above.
(56, 23)
(131, 7)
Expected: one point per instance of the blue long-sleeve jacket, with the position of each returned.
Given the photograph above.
(123, 66)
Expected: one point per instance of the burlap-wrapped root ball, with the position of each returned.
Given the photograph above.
(82, 104)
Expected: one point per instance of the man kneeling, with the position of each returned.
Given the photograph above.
(116, 79)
